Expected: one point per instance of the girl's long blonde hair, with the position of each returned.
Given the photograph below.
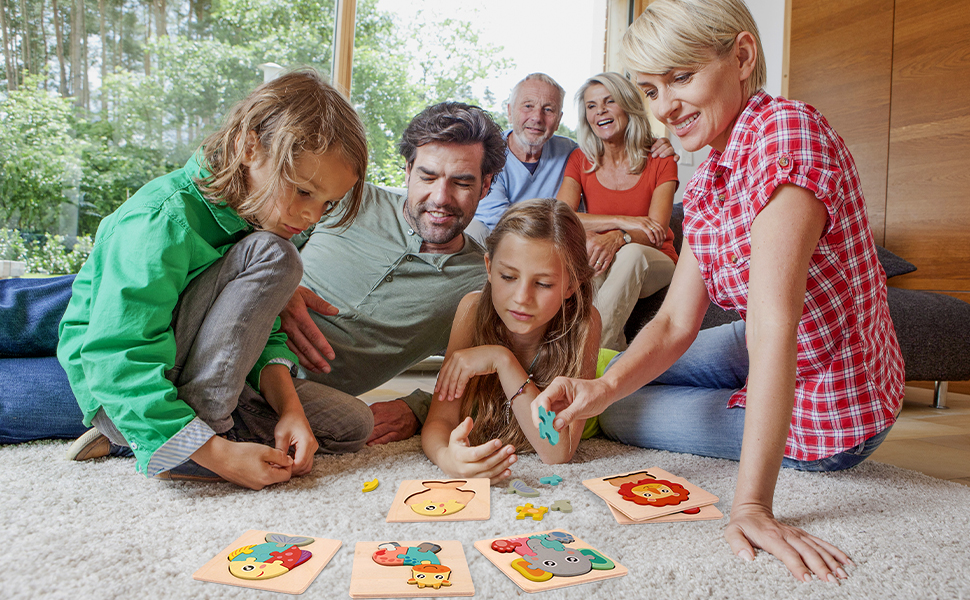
(567, 334)
(294, 114)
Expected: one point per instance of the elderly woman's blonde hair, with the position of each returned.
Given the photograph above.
(637, 138)
(674, 34)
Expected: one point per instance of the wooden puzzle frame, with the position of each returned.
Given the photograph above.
(371, 580)
(708, 513)
(294, 582)
(503, 561)
(606, 490)
(477, 509)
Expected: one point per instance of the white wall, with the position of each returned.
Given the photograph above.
(770, 17)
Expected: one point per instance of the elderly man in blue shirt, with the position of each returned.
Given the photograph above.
(535, 156)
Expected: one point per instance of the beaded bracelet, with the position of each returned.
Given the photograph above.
(508, 403)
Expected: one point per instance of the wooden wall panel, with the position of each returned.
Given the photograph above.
(840, 62)
(928, 202)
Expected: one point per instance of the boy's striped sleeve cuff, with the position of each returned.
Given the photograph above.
(179, 447)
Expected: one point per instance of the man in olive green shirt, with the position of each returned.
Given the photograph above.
(384, 291)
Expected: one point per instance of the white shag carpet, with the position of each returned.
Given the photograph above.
(100, 530)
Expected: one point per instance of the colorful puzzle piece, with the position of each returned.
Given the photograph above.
(537, 575)
(562, 506)
(546, 430)
(531, 512)
(370, 486)
(433, 576)
(551, 480)
(505, 546)
(517, 486)
(421, 555)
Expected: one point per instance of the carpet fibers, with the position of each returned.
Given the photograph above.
(99, 530)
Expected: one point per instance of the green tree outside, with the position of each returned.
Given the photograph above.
(169, 74)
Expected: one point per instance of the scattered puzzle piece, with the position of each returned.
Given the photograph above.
(562, 506)
(370, 486)
(531, 512)
(517, 486)
(551, 480)
(546, 429)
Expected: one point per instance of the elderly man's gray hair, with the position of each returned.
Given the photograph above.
(544, 79)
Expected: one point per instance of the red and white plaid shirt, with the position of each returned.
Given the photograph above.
(849, 379)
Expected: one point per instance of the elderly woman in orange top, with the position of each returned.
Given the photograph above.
(628, 196)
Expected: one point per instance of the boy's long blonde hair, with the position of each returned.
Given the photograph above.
(294, 114)
(567, 334)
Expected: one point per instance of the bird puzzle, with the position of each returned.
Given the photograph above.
(548, 560)
(651, 493)
(419, 501)
(396, 569)
(268, 561)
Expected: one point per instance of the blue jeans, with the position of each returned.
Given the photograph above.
(36, 401)
(685, 409)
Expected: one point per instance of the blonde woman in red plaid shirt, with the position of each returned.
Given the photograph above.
(775, 228)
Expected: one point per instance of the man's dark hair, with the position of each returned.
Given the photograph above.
(456, 123)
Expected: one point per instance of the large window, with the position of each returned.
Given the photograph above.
(97, 98)
(412, 53)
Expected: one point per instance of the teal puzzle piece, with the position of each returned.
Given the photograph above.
(546, 430)
(551, 480)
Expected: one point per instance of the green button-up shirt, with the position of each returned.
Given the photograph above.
(116, 338)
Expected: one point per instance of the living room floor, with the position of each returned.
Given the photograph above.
(925, 439)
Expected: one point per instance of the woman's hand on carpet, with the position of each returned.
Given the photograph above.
(489, 460)
(805, 555)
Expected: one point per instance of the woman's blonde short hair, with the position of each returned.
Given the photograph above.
(683, 33)
(637, 137)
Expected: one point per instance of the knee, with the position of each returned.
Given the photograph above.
(349, 432)
(269, 249)
(632, 255)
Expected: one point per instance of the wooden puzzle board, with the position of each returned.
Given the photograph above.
(477, 509)
(371, 580)
(708, 513)
(293, 582)
(610, 493)
(503, 560)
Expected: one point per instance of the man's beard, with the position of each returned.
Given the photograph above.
(435, 234)
(529, 139)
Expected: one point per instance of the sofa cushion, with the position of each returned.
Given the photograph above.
(893, 265)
